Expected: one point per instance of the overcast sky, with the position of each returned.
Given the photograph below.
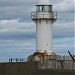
(17, 30)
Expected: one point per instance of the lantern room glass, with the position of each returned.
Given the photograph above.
(43, 8)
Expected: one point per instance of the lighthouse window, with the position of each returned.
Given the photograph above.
(46, 8)
(41, 8)
(50, 8)
(37, 8)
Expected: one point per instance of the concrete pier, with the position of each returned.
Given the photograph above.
(29, 68)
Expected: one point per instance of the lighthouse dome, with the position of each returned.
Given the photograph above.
(43, 2)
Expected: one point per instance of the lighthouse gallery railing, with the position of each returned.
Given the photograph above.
(44, 15)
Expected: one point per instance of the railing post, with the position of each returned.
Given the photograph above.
(22, 60)
(31, 15)
(56, 15)
(16, 60)
(11, 59)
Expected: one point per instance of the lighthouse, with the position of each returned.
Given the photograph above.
(44, 17)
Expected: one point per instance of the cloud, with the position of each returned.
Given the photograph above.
(14, 44)
(13, 29)
(16, 2)
(21, 9)
(63, 45)
(13, 9)
(64, 6)
(18, 31)
(16, 49)
(62, 30)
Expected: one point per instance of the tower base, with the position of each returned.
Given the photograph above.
(43, 56)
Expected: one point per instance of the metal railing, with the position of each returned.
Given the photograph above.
(18, 60)
(66, 64)
(57, 64)
(43, 15)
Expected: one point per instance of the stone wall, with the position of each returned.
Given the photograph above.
(21, 68)
(29, 68)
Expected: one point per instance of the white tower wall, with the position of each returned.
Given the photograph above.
(44, 35)
(44, 17)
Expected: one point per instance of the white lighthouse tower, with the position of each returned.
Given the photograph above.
(44, 17)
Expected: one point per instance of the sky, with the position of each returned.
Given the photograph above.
(18, 31)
